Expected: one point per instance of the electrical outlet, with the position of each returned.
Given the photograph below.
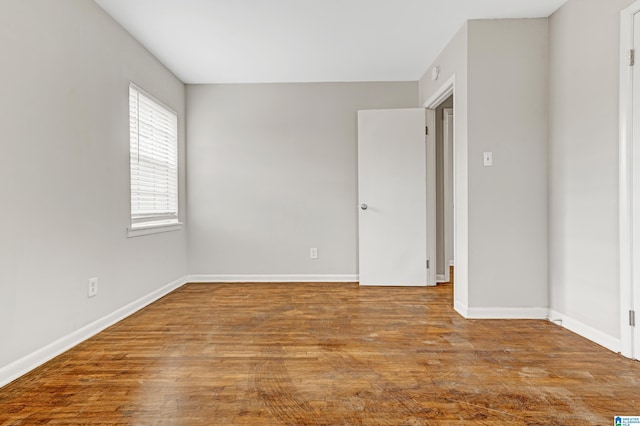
(313, 253)
(92, 288)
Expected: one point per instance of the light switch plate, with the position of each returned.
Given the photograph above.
(488, 159)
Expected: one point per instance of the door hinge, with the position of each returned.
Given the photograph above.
(428, 264)
(426, 130)
(632, 57)
(632, 318)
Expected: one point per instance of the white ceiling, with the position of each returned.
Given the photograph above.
(254, 41)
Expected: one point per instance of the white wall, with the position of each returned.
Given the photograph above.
(500, 100)
(583, 163)
(66, 67)
(272, 172)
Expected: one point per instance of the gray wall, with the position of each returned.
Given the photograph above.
(583, 162)
(508, 202)
(500, 69)
(272, 172)
(66, 67)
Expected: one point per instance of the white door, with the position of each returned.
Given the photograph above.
(392, 189)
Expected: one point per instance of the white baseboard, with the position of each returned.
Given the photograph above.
(27, 363)
(507, 313)
(460, 308)
(304, 278)
(612, 343)
(500, 313)
(405, 285)
(440, 279)
(603, 339)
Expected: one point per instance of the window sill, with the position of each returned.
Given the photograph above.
(153, 228)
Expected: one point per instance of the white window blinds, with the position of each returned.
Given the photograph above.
(154, 160)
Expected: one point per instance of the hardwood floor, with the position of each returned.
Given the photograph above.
(324, 354)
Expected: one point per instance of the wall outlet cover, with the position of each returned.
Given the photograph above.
(92, 289)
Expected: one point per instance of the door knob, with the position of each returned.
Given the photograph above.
(363, 206)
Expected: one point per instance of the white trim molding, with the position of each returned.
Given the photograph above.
(139, 231)
(508, 313)
(460, 308)
(571, 324)
(29, 362)
(500, 313)
(586, 331)
(303, 278)
(460, 197)
(447, 89)
(626, 221)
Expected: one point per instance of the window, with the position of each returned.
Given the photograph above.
(154, 164)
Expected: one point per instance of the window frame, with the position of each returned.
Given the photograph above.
(140, 224)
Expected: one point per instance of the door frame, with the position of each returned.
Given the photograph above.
(430, 166)
(627, 223)
(460, 239)
(448, 185)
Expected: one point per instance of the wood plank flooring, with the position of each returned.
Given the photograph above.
(324, 354)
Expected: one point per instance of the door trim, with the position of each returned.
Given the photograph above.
(459, 190)
(627, 223)
(447, 198)
(447, 89)
(430, 159)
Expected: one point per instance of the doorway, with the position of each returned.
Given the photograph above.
(444, 190)
(459, 190)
